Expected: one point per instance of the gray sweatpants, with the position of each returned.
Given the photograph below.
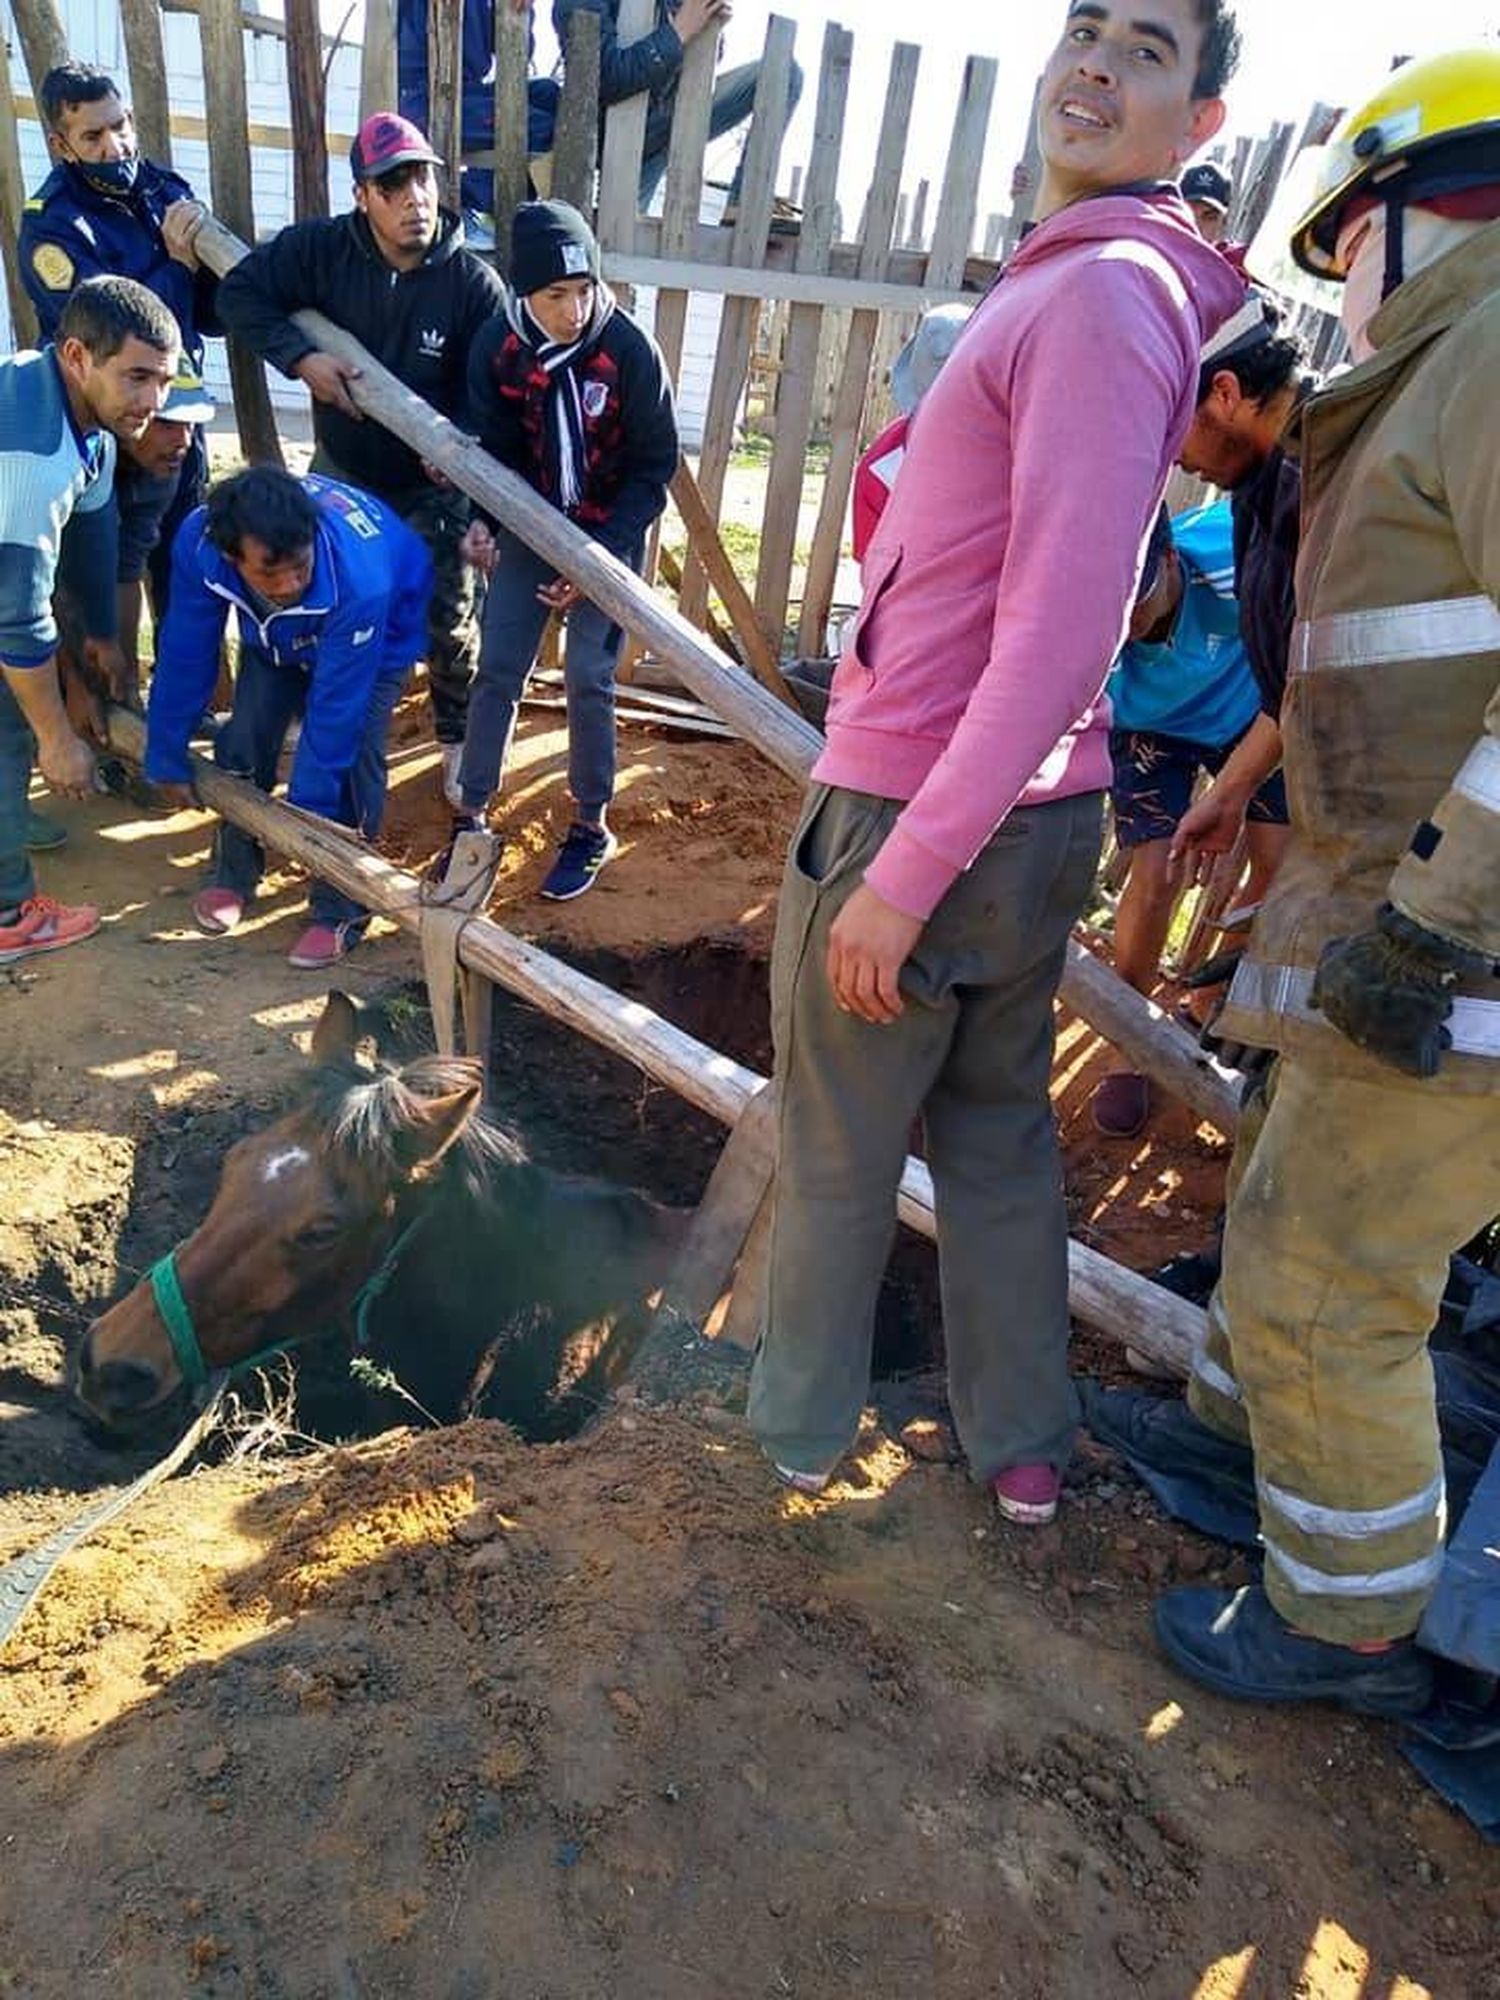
(972, 1056)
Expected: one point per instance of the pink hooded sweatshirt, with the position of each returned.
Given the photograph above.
(998, 584)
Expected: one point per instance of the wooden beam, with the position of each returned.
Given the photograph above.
(575, 149)
(44, 40)
(308, 93)
(445, 93)
(953, 230)
(222, 39)
(703, 537)
(146, 60)
(377, 59)
(1101, 1293)
(624, 143)
(683, 201)
(816, 288)
(1139, 1030)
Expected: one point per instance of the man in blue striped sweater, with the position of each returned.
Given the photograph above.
(60, 412)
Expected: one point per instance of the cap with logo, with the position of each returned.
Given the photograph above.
(1209, 185)
(188, 402)
(386, 141)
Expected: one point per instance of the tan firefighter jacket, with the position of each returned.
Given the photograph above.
(1391, 721)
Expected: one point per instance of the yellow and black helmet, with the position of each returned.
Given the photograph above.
(1433, 128)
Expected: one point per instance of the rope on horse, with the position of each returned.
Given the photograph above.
(23, 1579)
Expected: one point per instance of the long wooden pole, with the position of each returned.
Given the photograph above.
(308, 93)
(1102, 1293)
(146, 59)
(1140, 1031)
(12, 199)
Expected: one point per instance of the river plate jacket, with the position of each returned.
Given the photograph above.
(1392, 716)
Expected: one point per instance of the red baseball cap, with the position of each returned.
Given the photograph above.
(386, 141)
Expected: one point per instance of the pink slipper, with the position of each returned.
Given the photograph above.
(217, 911)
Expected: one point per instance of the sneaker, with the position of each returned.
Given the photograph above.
(41, 924)
(802, 1482)
(43, 834)
(322, 945)
(453, 758)
(216, 911)
(1027, 1494)
(1235, 1642)
(579, 859)
(1162, 1434)
(1122, 1105)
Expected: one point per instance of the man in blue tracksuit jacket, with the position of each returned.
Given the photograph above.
(330, 589)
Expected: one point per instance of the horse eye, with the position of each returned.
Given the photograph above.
(319, 1235)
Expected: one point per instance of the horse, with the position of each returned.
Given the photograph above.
(484, 1282)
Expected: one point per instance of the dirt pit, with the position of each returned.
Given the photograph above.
(443, 1714)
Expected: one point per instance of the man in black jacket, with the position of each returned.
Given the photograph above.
(395, 274)
(654, 64)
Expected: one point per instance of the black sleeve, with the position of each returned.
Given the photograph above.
(649, 64)
(258, 297)
(487, 415)
(652, 450)
(482, 298)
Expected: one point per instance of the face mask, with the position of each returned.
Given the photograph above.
(109, 176)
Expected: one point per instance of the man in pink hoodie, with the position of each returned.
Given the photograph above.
(951, 833)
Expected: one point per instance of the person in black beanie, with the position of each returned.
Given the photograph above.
(566, 390)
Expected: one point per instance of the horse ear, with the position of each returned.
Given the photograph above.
(336, 1036)
(433, 1128)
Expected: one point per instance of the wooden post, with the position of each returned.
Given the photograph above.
(703, 539)
(23, 324)
(1025, 181)
(737, 326)
(624, 144)
(684, 188)
(799, 377)
(308, 93)
(377, 62)
(222, 41)
(721, 1222)
(1101, 1293)
(44, 41)
(1139, 1030)
(511, 122)
(1264, 181)
(918, 237)
(445, 93)
(576, 146)
(146, 59)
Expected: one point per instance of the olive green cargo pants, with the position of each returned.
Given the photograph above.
(972, 1055)
(1347, 1199)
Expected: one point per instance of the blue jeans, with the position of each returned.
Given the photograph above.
(513, 624)
(267, 699)
(17, 751)
(733, 102)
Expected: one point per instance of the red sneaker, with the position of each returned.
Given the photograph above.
(217, 911)
(320, 946)
(1027, 1494)
(42, 924)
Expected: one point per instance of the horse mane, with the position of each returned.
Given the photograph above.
(367, 1114)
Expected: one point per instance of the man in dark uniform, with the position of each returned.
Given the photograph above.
(104, 209)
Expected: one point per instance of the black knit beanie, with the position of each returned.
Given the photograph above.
(550, 240)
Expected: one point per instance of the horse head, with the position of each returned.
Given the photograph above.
(302, 1212)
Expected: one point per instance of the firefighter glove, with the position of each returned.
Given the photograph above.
(1390, 989)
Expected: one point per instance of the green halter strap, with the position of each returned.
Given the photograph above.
(166, 1289)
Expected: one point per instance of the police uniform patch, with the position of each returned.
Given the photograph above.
(53, 266)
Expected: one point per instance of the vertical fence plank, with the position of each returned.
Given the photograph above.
(881, 208)
(146, 59)
(1025, 181)
(624, 143)
(684, 188)
(577, 144)
(309, 102)
(918, 238)
(445, 93)
(377, 60)
(953, 230)
(737, 326)
(225, 108)
(509, 166)
(799, 377)
(1264, 181)
(12, 199)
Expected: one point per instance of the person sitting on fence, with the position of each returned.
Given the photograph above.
(654, 64)
(106, 209)
(396, 275)
(913, 373)
(1208, 192)
(1183, 696)
(476, 89)
(568, 391)
(60, 413)
(330, 591)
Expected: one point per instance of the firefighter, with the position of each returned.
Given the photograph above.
(1371, 971)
